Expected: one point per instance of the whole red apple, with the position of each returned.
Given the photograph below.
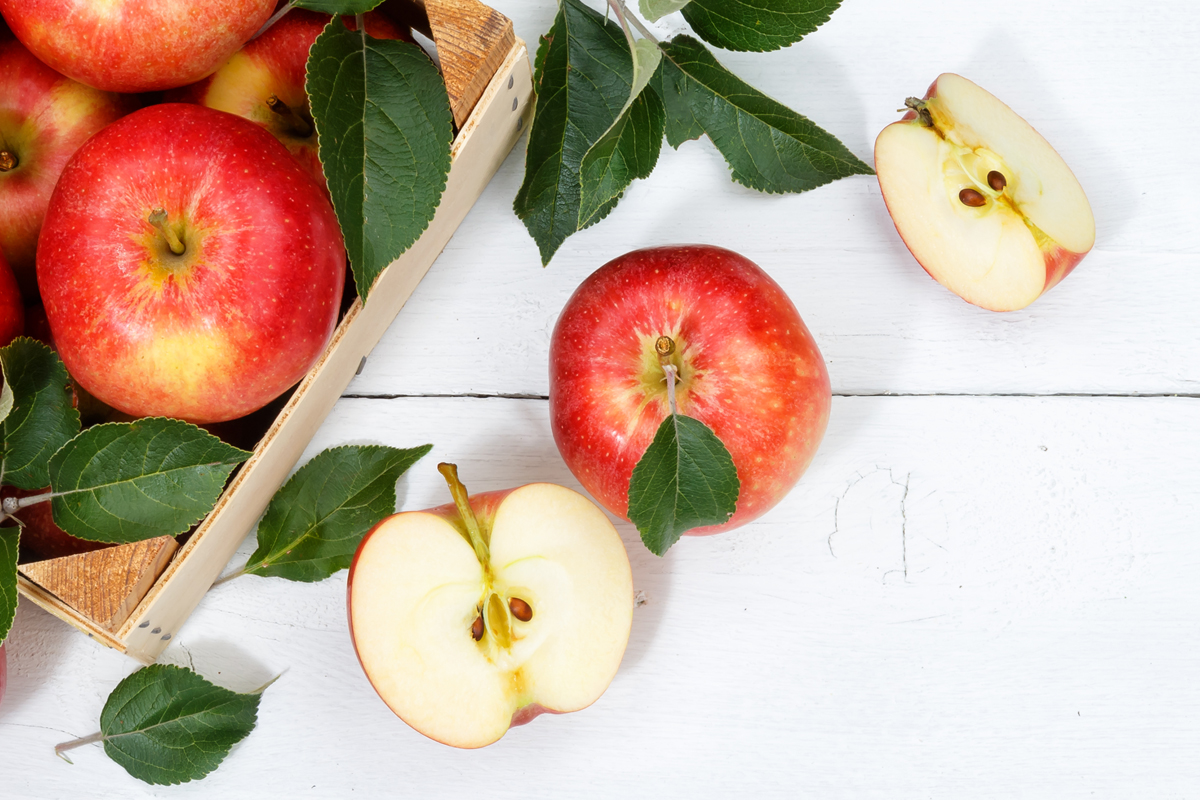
(135, 45)
(472, 618)
(44, 118)
(264, 81)
(12, 309)
(747, 368)
(189, 266)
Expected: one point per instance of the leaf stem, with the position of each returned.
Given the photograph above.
(463, 504)
(619, 10)
(237, 573)
(637, 23)
(274, 18)
(59, 749)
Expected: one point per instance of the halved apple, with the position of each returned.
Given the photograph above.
(982, 201)
(477, 616)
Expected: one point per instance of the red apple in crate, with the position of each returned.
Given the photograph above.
(44, 118)
(982, 201)
(474, 617)
(264, 81)
(747, 368)
(189, 266)
(135, 45)
(12, 309)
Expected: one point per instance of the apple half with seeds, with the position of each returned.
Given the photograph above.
(474, 617)
(982, 201)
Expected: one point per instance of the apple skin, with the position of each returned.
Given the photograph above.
(12, 308)
(224, 328)
(135, 45)
(274, 65)
(749, 370)
(1059, 261)
(44, 118)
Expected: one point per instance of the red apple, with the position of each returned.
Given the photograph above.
(474, 617)
(44, 118)
(12, 309)
(135, 45)
(189, 267)
(747, 367)
(982, 201)
(264, 81)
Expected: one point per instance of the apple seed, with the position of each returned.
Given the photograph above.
(8, 161)
(520, 609)
(477, 628)
(997, 181)
(972, 198)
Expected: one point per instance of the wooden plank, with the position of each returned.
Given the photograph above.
(104, 586)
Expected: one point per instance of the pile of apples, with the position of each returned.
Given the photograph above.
(165, 224)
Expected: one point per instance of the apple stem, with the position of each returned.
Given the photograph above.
(59, 749)
(463, 504)
(665, 347)
(918, 105)
(158, 218)
(300, 126)
(8, 161)
(274, 18)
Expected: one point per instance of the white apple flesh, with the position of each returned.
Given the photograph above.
(982, 201)
(474, 617)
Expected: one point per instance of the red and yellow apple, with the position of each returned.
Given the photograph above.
(747, 368)
(983, 202)
(189, 266)
(135, 45)
(474, 617)
(44, 118)
(264, 81)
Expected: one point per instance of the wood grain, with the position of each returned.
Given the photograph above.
(472, 42)
(105, 586)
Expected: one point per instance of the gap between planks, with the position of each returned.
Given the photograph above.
(519, 396)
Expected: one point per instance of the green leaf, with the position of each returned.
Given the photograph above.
(9, 539)
(757, 25)
(315, 522)
(654, 10)
(42, 418)
(167, 725)
(684, 480)
(128, 481)
(583, 80)
(338, 6)
(384, 133)
(6, 401)
(768, 146)
(629, 148)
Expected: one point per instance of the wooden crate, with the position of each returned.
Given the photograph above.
(136, 599)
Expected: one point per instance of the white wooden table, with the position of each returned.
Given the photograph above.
(988, 583)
